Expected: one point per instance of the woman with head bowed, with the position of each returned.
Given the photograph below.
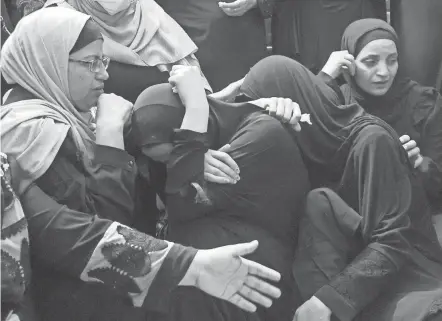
(262, 201)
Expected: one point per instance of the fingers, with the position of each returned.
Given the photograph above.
(242, 303)
(404, 139)
(347, 62)
(221, 170)
(225, 161)
(296, 117)
(244, 248)
(209, 177)
(263, 287)
(254, 296)
(409, 145)
(226, 148)
(262, 271)
(415, 152)
(271, 106)
(418, 162)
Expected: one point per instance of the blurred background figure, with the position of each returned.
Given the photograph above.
(310, 30)
(230, 35)
(419, 27)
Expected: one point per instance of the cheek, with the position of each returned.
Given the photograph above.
(80, 85)
(393, 70)
(363, 76)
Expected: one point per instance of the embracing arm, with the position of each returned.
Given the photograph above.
(431, 150)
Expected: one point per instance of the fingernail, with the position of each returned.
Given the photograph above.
(237, 178)
(237, 170)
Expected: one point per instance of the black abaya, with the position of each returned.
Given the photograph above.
(264, 204)
(364, 162)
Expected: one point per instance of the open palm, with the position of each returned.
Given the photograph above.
(226, 275)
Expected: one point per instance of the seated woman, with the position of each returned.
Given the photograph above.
(48, 127)
(367, 249)
(264, 202)
(414, 111)
(110, 255)
(142, 41)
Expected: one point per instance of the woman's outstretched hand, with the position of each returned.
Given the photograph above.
(412, 150)
(237, 8)
(223, 273)
(339, 62)
(219, 167)
(283, 109)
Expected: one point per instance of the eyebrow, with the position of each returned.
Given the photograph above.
(371, 56)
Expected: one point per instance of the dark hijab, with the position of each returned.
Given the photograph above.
(403, 94)
(158, 113)
(326, 143)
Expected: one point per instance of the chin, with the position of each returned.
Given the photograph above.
(379, 91)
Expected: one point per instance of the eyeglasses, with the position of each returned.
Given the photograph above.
(96, 64)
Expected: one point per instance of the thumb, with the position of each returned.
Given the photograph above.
(243, 249)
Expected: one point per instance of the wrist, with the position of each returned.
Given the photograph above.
(192, 274)
(109, 125)
(321, 305)
(110, 134)
(332, 72)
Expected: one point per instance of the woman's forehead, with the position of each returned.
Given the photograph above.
(378, 47)
(93, 49)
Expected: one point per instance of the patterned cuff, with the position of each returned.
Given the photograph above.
(172, 271)
(129, 262)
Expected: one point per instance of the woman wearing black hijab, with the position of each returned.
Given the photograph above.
(414, 111)
(367, 249)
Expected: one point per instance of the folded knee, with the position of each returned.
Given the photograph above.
(318, 202)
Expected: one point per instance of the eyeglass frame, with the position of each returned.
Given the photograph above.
(105, 60)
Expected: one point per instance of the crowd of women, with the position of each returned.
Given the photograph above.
(321, 165)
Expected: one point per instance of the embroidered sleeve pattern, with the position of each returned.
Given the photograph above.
(127, 261)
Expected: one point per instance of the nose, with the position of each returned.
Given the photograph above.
(102, 75)
(382, 70)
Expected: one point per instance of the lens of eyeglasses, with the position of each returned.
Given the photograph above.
(97, 64)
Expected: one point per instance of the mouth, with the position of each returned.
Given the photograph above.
(381, 83)
(99, 88)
